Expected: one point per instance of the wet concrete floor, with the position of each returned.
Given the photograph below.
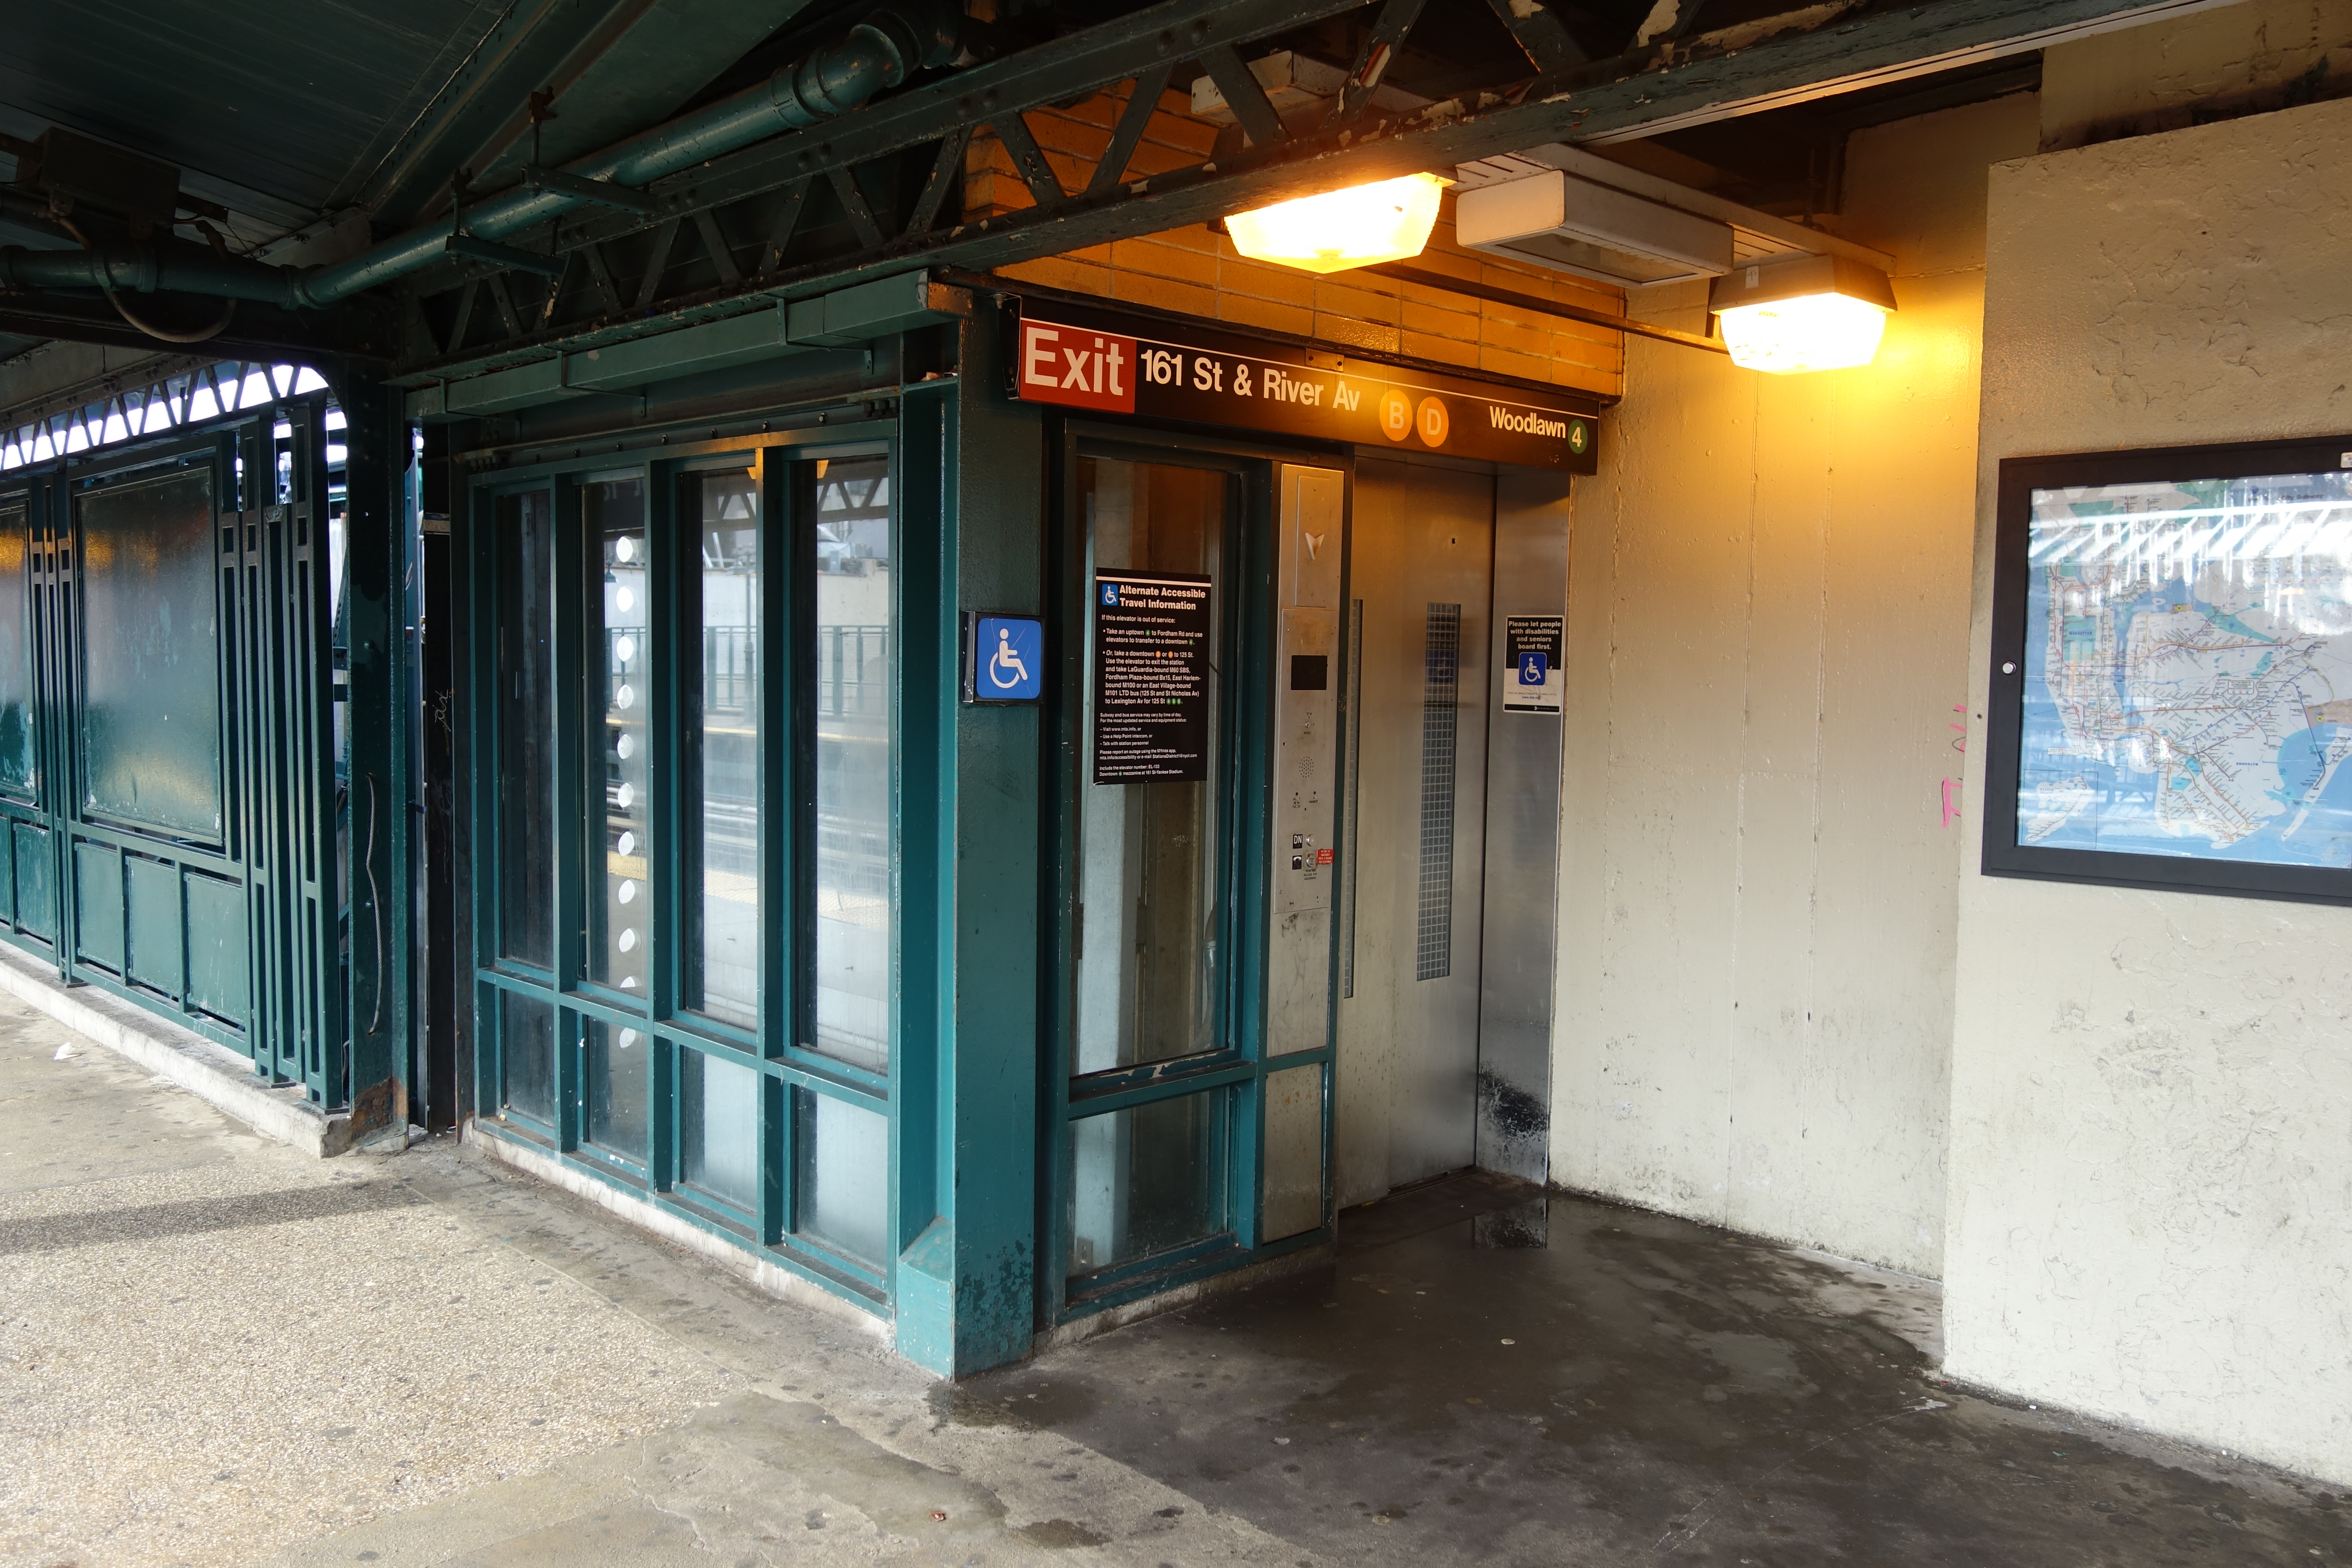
(1487, 1379)
(214, 1352)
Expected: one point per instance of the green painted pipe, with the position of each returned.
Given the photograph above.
(149, 269)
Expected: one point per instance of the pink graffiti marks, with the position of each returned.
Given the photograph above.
(1952, 785)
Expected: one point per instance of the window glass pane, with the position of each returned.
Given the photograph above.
(722, 757)
(844, 1187)
(618, 665)
(2187, 686)
(525, 709)
(718, 1128)
(1145, 1179)
(16, 764)
(527, 1054)
(617, 1081)
(1147, 903)
(853, 665)
(150, 659)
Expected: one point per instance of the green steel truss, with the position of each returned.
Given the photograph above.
(874, 194)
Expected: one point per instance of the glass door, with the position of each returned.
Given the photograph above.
(1159, 1092)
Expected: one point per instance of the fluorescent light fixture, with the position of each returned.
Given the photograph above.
(1811, 312)
(1388, 220)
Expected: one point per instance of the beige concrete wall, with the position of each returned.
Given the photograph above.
(2151, 1161)
(2249, 58)
(1768, 602)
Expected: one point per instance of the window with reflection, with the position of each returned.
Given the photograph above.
(722, 792)
(523, 706)
(855, 633)
(673, 1051)
(18, 776)
(1148, 972)
(617, 619)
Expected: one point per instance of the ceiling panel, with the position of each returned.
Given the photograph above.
(269, 108)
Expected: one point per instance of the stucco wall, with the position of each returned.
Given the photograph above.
(2151, 1161)
(1769, 608)
(2247, 57)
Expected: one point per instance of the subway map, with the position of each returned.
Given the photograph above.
(2188, 670)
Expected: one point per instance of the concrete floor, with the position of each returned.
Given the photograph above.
(215, 1352)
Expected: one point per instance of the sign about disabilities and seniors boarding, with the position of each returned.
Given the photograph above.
(1533, 681)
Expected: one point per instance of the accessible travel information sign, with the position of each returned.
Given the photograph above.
(1115, 363)
(1151, 676)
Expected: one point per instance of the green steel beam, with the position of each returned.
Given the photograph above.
(851, 316)
(1821, 52)
(377, 998)
(360, 330)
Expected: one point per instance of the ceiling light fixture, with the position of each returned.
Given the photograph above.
(1388, 220)
(1811, 312)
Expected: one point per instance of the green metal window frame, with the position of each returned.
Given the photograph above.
(1237, 1071)
(783, 465)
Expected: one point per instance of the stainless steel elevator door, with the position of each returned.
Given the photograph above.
(1421, 568)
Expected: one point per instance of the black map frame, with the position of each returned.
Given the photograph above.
(2005, 710)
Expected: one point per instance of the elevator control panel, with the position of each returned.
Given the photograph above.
(1307, 681)
(1307, 748)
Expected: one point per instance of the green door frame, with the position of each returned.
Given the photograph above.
(1239, 1067)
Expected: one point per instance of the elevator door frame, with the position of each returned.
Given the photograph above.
(1239, 1067)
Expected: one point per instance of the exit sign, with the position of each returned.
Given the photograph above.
(1162, 368)
(1076, 366)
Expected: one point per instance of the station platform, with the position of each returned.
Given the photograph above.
(202, 1368)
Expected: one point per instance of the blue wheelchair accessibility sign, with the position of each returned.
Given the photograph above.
(1110, 593)
(1533, 667)
(1004, 659)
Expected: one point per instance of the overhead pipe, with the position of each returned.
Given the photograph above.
(879, 53)
(149, 269)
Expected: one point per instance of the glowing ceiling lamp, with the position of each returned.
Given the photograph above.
(1811, 312)
(1388, 220)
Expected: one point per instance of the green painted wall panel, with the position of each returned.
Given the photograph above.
(988, 897)
(98, 905)
(218, 977)
(151, 896)
(151, 723)
(37, 893)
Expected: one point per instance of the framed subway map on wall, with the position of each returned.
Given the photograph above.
(2171, 693)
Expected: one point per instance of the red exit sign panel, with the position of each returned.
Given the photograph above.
(1076, 366)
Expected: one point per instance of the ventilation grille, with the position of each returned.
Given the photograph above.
(1440, 690)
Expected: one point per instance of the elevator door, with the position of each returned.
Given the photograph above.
(1421, 588)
